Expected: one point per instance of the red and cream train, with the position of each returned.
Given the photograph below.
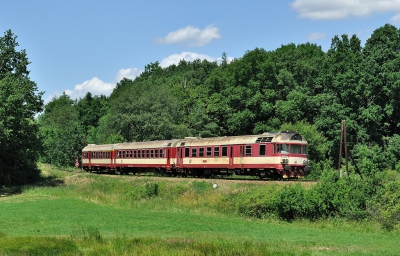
(268, 155)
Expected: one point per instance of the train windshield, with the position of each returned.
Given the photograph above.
(283, 148)
(295, 149)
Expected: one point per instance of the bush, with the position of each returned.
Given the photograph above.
(384, 206)
(259, 202)
(291, 203)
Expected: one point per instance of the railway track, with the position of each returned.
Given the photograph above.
(216, 179)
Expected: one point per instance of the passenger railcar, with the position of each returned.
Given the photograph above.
(268, 155)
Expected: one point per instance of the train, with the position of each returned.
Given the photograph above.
(274, 155)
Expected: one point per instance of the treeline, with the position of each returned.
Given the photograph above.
(297, 87)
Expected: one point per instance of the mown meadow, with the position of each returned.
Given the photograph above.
(78, 213)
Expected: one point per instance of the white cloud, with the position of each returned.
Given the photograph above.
(190, 36)
(395, 19)
(94, 85)
(316, 35)
(341, 9)
(130, 73)
(188, 56)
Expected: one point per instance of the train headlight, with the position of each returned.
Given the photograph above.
(305, 161)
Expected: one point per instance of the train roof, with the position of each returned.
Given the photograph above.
(244, 139)
(102, 147)
(284, 136)
(146, 144)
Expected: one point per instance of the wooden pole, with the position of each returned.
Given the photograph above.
(345, 147)
(340, 150)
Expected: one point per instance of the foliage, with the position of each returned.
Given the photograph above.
(62, 132)
(385, 204)
(19, 102)
(298, 87)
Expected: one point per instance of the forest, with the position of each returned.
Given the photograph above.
(297, 87)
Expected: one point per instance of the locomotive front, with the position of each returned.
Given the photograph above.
(291, 149)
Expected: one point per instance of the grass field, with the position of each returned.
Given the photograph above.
(73, 213)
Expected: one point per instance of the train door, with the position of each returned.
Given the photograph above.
(89, 159)
(230, 157)
(241, 148)
(166, 155)
(179, 157)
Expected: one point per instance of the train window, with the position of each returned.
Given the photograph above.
(201, 152)
(151, 153)
(216, 151)
(147, 153)
(295, 149)
(134, 153)
(224, 151)
(194, 152)
(130, 154)
(282, 148)
(187, 151)
(143, 153)
(296, 137)
(156, 153)
(262, 150)
(304, 150)
(248, 150)
(208, 151)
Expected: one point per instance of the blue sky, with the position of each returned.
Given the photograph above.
(80, 46)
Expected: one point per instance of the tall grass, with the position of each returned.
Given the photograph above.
(76, 213)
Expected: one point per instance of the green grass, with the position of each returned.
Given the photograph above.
(89, 214)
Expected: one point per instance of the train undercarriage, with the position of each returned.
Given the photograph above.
(274, 174)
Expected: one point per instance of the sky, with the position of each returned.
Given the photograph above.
(80, 46)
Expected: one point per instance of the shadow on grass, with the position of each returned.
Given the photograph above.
(9, 191)
(48, 181)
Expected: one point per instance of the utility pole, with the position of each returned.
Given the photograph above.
(343, 137)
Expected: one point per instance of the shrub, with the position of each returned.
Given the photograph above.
(291, 202)
(384, 206)
(151, 189)
(255, 202)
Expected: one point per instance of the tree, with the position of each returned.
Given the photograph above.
(19, 102)
(62, 132)
(381, 82)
